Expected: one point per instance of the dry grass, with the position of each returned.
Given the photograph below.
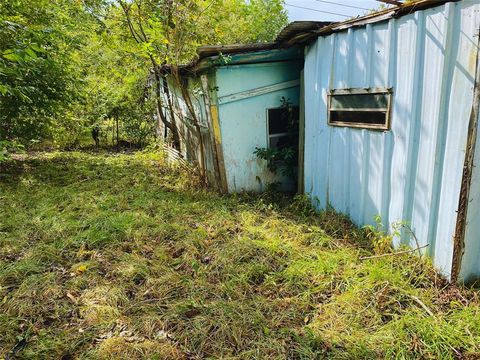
(118, 257)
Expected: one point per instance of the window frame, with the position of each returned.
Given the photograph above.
(361, 91)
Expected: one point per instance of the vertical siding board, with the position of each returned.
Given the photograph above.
(401, 122)
(414, 135)
(358, 76)
(328, 84)
(337, 174)
(378, 78)
(358, 79)
(434, 56)
(450, 47)
(388, 136)
(322, 157)
(365, 176)
(348, 134)
(310, 130)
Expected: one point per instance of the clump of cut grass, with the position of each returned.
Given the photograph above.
(119, 256)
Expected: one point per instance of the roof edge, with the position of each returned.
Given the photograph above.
(382, 15)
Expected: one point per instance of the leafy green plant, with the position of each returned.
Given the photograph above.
(283, 159)
(223, 59)
(8, 147)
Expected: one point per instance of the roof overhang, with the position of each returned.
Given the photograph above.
(287, 46)
(383, 15)
(296, 35)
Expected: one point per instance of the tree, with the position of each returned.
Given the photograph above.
(169, 31)
(39, 41)
(67, 65)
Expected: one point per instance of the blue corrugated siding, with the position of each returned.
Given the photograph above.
(413, 172)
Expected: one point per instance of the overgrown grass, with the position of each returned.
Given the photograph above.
(119, 257)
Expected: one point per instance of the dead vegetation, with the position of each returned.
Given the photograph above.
(119, 257)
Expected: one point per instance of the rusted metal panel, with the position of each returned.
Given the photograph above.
(413, 172)
(299, 32)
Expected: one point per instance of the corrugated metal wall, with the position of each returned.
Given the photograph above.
(413, 172)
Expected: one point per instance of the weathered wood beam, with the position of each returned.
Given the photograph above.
(391, 2)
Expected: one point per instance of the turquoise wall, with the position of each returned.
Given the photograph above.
(243, 121)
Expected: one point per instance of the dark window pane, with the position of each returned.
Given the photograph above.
(282, 120)
(359, 101)
(359, 117)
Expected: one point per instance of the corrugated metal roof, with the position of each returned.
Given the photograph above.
(300, 33)
(296, 33)
(298, 30)
(293, 34)
(214, 50)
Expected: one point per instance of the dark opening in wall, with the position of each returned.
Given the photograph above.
(360, 108)
(283, 127)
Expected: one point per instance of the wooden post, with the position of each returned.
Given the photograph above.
(462, 212)
(301, 138)
(215, 136)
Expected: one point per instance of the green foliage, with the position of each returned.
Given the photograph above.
(7, 148)
(280, 161)
(39, 41)
(119, 256)
(283, 159)
(67, 65)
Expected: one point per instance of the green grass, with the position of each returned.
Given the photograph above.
(107, 256)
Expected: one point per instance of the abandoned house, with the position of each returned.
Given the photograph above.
(246, 97)
(387, 107)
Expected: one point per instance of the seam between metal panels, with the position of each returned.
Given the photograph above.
(242, 95)
(459, 238)
(366, 133)
(348, 134)
(317, 114)
(388, 137)
(330, 132)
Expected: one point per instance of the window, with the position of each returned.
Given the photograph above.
(282, 126)
(361, 108)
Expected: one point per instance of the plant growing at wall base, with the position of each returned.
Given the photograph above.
(282, 158)
(280, 161)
